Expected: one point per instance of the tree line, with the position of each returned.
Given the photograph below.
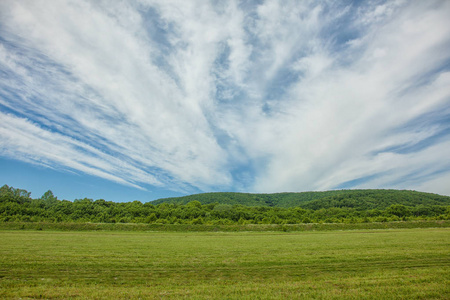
(359, 199)
(16, 205)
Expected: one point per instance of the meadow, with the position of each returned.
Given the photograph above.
(351, 264)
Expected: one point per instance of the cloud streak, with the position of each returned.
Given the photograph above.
(200, 96)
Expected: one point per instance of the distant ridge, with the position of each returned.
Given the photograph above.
(358, 199)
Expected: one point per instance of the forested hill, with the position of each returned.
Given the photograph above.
(345, 206)
(357, 199)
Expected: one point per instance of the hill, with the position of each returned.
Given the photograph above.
(344, 206)
(357, 199)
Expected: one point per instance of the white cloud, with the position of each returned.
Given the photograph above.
(343, 113)
(151, 121)
(181, 93)
(20, 137)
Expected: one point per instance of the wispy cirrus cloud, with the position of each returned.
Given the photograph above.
(256, 96)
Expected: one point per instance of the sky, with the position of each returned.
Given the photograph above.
(140, 100)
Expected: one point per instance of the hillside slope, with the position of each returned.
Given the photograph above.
(358, 199)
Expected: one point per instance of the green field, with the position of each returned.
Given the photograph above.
(364, 264)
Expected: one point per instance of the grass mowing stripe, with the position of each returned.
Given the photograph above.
(405, 263)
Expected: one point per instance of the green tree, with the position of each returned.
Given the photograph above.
(398, 210)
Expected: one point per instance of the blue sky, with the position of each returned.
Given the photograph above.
(126, 100)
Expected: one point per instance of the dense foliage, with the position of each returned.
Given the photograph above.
(360, 199)
(336, 207)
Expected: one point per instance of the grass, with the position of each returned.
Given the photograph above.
(364, 264)
(72, 226)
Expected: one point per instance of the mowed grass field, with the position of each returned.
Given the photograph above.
(370, 264)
